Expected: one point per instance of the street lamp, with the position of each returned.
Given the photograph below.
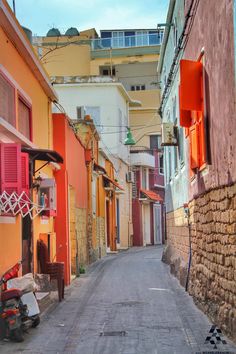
(129, 138)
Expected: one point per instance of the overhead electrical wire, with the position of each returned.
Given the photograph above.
(181, 45)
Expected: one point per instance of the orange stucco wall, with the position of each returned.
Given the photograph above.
(10, 244)
(23, 78)
(73, 172)
(11, 61)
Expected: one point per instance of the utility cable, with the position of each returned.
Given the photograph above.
(181, 45)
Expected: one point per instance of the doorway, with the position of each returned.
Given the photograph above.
(146, 225)
(157, 224)
(26, 236)
(108, 223)
(117, 221)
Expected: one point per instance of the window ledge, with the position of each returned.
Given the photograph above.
(9, 134)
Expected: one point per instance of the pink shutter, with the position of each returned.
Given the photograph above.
(10, 160)
(25, 172)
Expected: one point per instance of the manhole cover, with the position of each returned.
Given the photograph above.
(113, 334)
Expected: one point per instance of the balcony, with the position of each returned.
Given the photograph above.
(142, 159)
(143, 40)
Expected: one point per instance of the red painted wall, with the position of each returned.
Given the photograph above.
(76, 167)
(73, 172)
(218, 62)
(137, 223)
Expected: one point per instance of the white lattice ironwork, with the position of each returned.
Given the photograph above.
(19, 204)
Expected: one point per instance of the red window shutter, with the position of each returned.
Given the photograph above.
(190, 92)
(10, 160)
(193, 139)
(201, 139)
(25, 173)
(184, 116)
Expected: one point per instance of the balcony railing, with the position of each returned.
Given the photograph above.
(141, 40)
(142, 159)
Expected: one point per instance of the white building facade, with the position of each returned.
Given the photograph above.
(108, 104)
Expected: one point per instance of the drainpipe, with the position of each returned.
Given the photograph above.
(187, 215)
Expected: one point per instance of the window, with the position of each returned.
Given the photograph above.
(105, 39)
(138, 87)
(24, 118)
(175, 33)
(9, 94)
(161, 164)
(106, 71)
(141, 38)
(47, 196)
(14, 169)
(7, 101)
(94, 112)
(118, 39)
(153, 38)
(155, 141)
(130, 39)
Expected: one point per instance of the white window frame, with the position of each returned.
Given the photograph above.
(140, 36)
(118, 39)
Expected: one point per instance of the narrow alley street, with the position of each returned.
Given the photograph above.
(126, 303)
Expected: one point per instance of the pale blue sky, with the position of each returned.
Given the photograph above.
(41, 15)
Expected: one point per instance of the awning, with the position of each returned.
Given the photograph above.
(43, 155)
(99, 168)
(113, 182)
(151, 195)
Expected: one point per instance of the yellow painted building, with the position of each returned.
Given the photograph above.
(25, 142)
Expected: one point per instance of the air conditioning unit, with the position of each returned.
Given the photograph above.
(80, 112)
(168, 134)
(130, 177)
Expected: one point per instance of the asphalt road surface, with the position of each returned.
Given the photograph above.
(127, 303)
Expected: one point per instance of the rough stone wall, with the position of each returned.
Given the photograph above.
(176, 252)
(101, 236)
(81, 234)
(213, 268)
